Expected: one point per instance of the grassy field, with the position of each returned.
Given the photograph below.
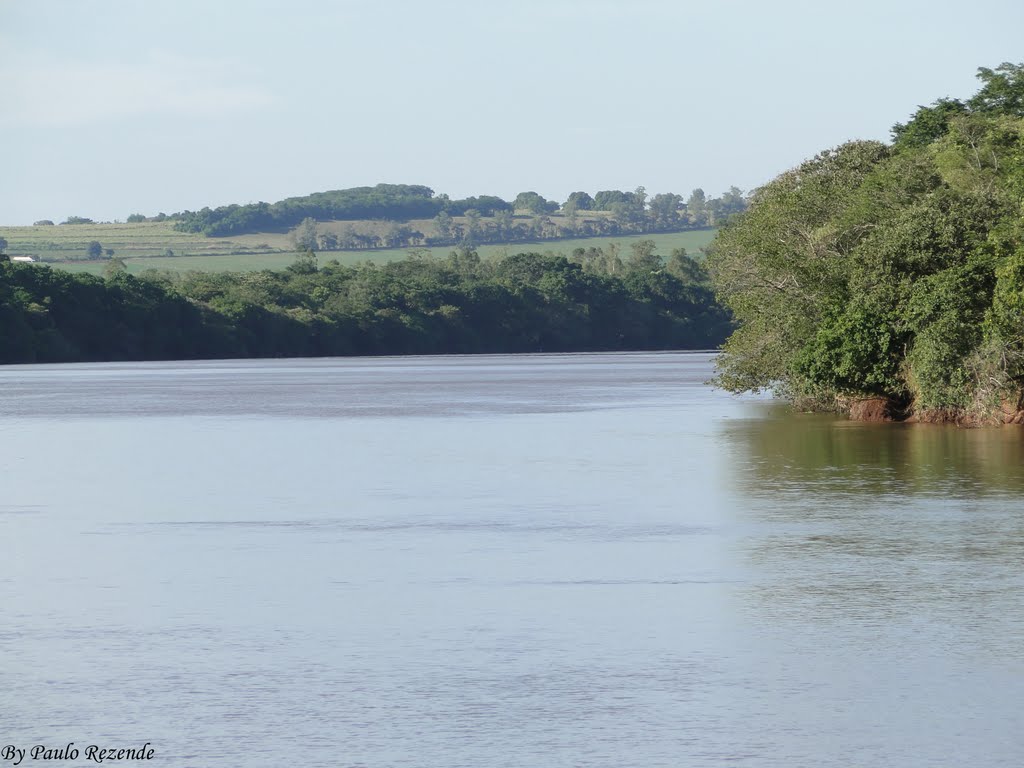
(65, 242)
(144, 246)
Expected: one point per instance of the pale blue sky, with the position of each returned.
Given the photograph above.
(108, 107)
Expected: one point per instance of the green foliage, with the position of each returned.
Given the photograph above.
(856, 350)
(892, 272)
(402, 202)
(304, 264)
(384, 201)
(1002, 92)
(927, 124)
(305, 236)
(531, 202)
(581, 201)
(696, 206)
(604, 199)
(114, 267)
(462, 304)
(666, 210)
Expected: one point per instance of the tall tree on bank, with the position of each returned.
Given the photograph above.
(889, 274)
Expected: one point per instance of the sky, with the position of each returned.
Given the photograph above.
(114, 107)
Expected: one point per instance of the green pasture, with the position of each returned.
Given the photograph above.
(70, 242)
(143, 246)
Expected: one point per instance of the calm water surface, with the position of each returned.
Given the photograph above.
(551, 560)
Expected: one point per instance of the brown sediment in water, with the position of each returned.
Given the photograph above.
(1012, 411)
(882, 409)
(873, 409)
(943, 416)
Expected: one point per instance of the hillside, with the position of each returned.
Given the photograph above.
(418, 216)
(382, 223)
(157, 245)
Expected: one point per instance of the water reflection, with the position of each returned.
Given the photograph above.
(899, 529)
(786, 452)
(656, 574)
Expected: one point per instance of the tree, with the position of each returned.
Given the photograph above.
(304, 264)
(644, 257)
(305, 235)
(781, 269)
(348, 238)
(696, 207)
(665, 209)
(624, 212)
(604, 199)
(581, 200)
(114, 267)
(504, 223)
(730, 203)
(639, 199)
(94, 249)
(1002, 92)
(927, 124)
(77, 220)
(687, 270)
(443, 226)
(135, 218)
(472, 226)
(533, 203)
(891, 274)
(572, 217)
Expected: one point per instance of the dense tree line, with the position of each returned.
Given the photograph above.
(630, 212)
(384, 201)
(890, 273)
(598, 300)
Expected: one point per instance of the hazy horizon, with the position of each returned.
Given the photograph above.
(112, 108)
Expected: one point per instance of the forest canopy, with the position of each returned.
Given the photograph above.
(891, 273)
(529, 302)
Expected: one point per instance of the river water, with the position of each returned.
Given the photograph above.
(544, 560)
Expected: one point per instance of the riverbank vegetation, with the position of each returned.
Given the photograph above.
(599, 299)
(888, 279)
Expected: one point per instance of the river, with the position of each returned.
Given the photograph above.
(543, 560)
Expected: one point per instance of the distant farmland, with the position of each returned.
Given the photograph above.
(145, 246)
(70, 242)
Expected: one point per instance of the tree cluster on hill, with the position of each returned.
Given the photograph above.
(599, 300)
(629, 212)
(890, 274)
(384, 201)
